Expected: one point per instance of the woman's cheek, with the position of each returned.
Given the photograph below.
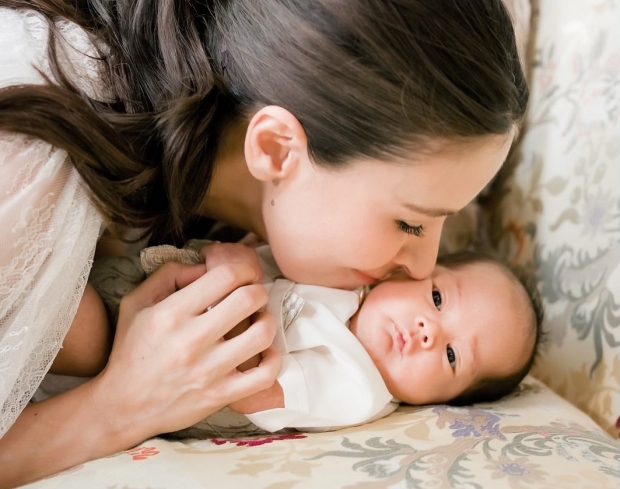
(379, 250)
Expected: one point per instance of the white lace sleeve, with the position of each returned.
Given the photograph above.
(48, 232)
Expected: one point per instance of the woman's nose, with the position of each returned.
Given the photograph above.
(418, 257)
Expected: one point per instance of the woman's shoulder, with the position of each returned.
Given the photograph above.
(23, 45)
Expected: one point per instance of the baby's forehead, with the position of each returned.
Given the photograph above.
(514, 317)
(468, 265)
(480, 272)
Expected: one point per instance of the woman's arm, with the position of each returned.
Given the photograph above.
(86, 347)
(169, 368)
(58, 433)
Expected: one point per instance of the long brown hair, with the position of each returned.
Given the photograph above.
(364, 77)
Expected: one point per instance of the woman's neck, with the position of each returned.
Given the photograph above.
(234, 195)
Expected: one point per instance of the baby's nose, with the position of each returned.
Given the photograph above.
(426, 332)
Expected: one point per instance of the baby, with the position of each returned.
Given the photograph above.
(468, 333)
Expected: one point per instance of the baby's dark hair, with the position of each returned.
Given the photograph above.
(492, 388)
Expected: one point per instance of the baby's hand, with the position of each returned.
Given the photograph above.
(270, 398)
(222, 253)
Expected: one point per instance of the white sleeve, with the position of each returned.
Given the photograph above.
(328, 379)
(321, 392)
(49, 233)
(49, 230)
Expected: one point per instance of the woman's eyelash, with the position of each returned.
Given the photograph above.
(412, 230)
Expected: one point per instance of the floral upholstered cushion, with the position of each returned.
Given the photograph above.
(558, 213)
(533, 438)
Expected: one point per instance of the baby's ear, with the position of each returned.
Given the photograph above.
(275, 143)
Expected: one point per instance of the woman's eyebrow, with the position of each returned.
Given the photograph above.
(429, 211)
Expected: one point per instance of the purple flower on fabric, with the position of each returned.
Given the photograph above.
(469, 422)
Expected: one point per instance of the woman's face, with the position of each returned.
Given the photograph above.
(352, 226)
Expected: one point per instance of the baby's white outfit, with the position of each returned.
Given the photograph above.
(328, 378)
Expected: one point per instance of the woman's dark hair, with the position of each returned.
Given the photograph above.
(366, 78)
(492, 388)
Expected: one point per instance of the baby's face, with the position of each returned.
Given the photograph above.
(432, 339)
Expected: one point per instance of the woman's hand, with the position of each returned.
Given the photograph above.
(170, 366)
(217, 254)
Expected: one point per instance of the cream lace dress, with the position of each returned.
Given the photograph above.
(48, 226)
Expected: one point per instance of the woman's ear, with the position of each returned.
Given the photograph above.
(275, 143)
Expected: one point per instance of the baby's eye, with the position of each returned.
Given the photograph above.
(437, 299)
(451, 356)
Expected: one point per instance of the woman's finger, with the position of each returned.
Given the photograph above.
(244, 384)
(234, 308)
(219, 253)
(161, 284)
(210, 288)
(228, 355)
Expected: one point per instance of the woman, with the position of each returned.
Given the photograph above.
(343, 132)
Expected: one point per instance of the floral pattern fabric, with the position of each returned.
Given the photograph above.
(559, 211)
(533, 438)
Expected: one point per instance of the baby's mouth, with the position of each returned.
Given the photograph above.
(399, 339)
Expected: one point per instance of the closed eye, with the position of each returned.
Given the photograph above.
(411, 230)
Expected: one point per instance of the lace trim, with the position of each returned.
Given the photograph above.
(49, 227)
